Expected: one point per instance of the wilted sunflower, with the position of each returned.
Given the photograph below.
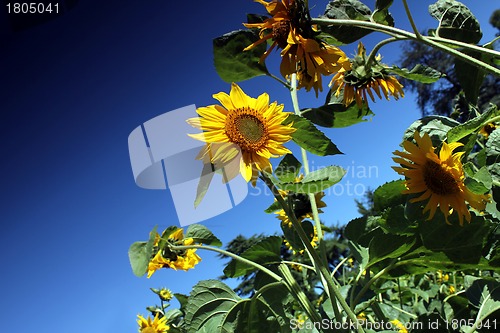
(302, 52)
(243, 127)
(152, 326)
(357, 80)
(164, 258)
(440, 178)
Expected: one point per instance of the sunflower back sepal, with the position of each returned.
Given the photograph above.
(232, 63)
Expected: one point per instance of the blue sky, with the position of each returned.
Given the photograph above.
(73, 90)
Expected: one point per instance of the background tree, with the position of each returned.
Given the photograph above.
(443, 97)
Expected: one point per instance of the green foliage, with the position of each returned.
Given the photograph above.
(347, 9)
(388, 195)
(202, 234)
(335, 114)
(419, 73)
(471, 126)
(264, 252)
(231, 62)
(140, 253)
(456, 21)
(316, 181)
(288, 169)
(381, 13)
(310, 138)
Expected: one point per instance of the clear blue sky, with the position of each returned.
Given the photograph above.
(72, 90)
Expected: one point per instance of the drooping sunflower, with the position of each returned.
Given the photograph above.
(439, 178)
(357, 79)
(164, 258)
(156, 325)
(290, 29)
(246, 128)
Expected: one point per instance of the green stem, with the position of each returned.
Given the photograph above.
(327, 280)
(305, 163)
(279, 80)
(412, 22)
(370, 282)
(395, 32)
(377, 47)
(298, 293)
(231, 255)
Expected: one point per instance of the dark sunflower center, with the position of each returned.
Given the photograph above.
(280, 33)
(247, 130)
(438, 180)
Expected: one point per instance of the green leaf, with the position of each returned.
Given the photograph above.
(388, 195)
(346, 9)
(381, 14)
(395, 221)
(360, 253)
(335, 114)
(316, 181)
(202, 234)
(478, 182)
(310, 138)
(264, 252)
(470, 76)
(288, 169)
(140, 253)
(231, 62)
(419, 73)
(461, 244)
(484, 294)
(275, 206)
(473, 125)
(210, 301)
(456, 21)
(436, 126)
(387, 246)
(293, 237)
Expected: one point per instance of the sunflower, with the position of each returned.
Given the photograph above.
(164, 258)
(487, 129)
(440, 178)
(152, 326)
(301, 207)
(357, 79)
(165, 294)
(246, 128)
(290, 29)
(399, 326)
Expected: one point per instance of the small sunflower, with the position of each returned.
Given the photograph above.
(165, 294)
(487, 129)
(290, 29)
(246, 128)
(302, 207)
(164, 258)
(156, 325)
(357, 80)
(440, 178)
(399, 326)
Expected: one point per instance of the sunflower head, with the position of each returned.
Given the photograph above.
(437, 178)
(487, 129)
(359, 79)
(156, 325)
(242, 129)
(303, 53)
(165, 257)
